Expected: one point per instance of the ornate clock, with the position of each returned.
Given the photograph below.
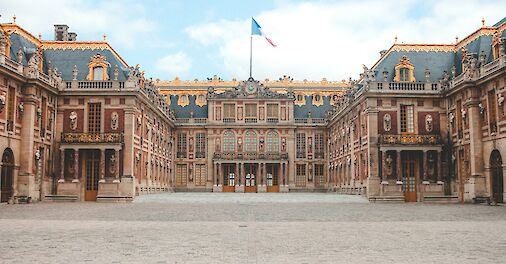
(251, 88)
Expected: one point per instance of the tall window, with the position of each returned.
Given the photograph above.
(43, 117)
(319, 146)
(200, 147)
(11, 101)
(250, 113)
(318, 175)
(407, 119)
(251, 141)
(181, 145)
(181, 174)
(492, 111)
(94, 113)
(229, 112)
(228, 141)
(404, 74)
(98, 74)
(200, 174)
(301, 145)
(272, 141)
(272, 113)
(300, 177)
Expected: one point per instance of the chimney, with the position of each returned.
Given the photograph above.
(61, 33)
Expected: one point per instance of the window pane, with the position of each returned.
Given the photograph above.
(98, 74)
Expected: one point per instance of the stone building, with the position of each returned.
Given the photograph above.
(425, 123)
(77, 122)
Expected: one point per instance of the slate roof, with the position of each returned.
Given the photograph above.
(65, 59)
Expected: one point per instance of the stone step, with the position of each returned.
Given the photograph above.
(61, 198)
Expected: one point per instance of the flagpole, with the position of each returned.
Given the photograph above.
(250, 55)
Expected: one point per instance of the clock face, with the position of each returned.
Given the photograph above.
(250, 88)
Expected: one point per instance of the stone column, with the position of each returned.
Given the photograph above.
(128, 147)
(439, 165)
(116, 165)
(425, 165)
(76, 165)
(383, 175)
(476, 185)
(242, 174)
(62, 166)
(27, 133)
(102, 165)
(398, 164)
(220, 177)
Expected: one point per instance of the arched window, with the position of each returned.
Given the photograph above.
(251, 141)
(272, 141)
(228, 141)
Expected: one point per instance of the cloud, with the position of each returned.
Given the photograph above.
(333, 39)
(174, 64)
(126, 23)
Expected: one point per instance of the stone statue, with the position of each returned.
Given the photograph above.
(429, 123)
(112, 164)
(114, 120)
(218, 145)
(389, 165)
(20, 56)
(73, 120)
(74, 73)
(431, 165)
(32, 70)
(387, 122)
(116, 72)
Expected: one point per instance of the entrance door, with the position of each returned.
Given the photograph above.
(497, 176)
(229, 178)
(7, 175)
(250, 171)
(272, 177)
(409, 178)
(92, 175)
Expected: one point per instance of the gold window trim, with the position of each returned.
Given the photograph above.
(316, 102)
(98, 61)
(496, 42)
(200, 101)
(300, 102)
(404, 64)
(182, 103)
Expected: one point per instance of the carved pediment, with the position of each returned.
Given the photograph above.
(250, 89)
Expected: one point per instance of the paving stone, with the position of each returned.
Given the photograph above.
(252, 228)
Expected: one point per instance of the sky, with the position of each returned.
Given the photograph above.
(199, 39)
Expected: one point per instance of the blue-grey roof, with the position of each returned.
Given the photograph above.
(184, 112)
(502, 21)
(316, 111)
(65, 59)
(435, 61)
(18, 41)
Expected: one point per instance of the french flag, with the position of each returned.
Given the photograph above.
(257, 30)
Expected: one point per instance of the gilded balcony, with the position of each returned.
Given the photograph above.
(410, 139)
(91, 138)
(250, 156)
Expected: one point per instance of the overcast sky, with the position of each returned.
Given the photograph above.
(198, 39)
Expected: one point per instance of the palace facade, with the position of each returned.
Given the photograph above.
(425, 123)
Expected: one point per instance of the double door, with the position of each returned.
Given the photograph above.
(409, 169)
(272, 177)
(92, 175)
(250, 179)
(229, 178)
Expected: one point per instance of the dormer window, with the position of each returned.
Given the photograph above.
(404, 71)
(98, 74)
(98, 68)
(496, 44)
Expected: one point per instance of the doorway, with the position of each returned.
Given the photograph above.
(229, 178)
(409, 176)
(7, 175)
(92, 175)
(497, 176)
(272, 177)
(250, 182)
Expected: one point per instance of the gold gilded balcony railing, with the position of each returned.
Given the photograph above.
(250, 156)
(410, 139)
(83, 138)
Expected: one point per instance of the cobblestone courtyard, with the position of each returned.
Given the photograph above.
(251, 228)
